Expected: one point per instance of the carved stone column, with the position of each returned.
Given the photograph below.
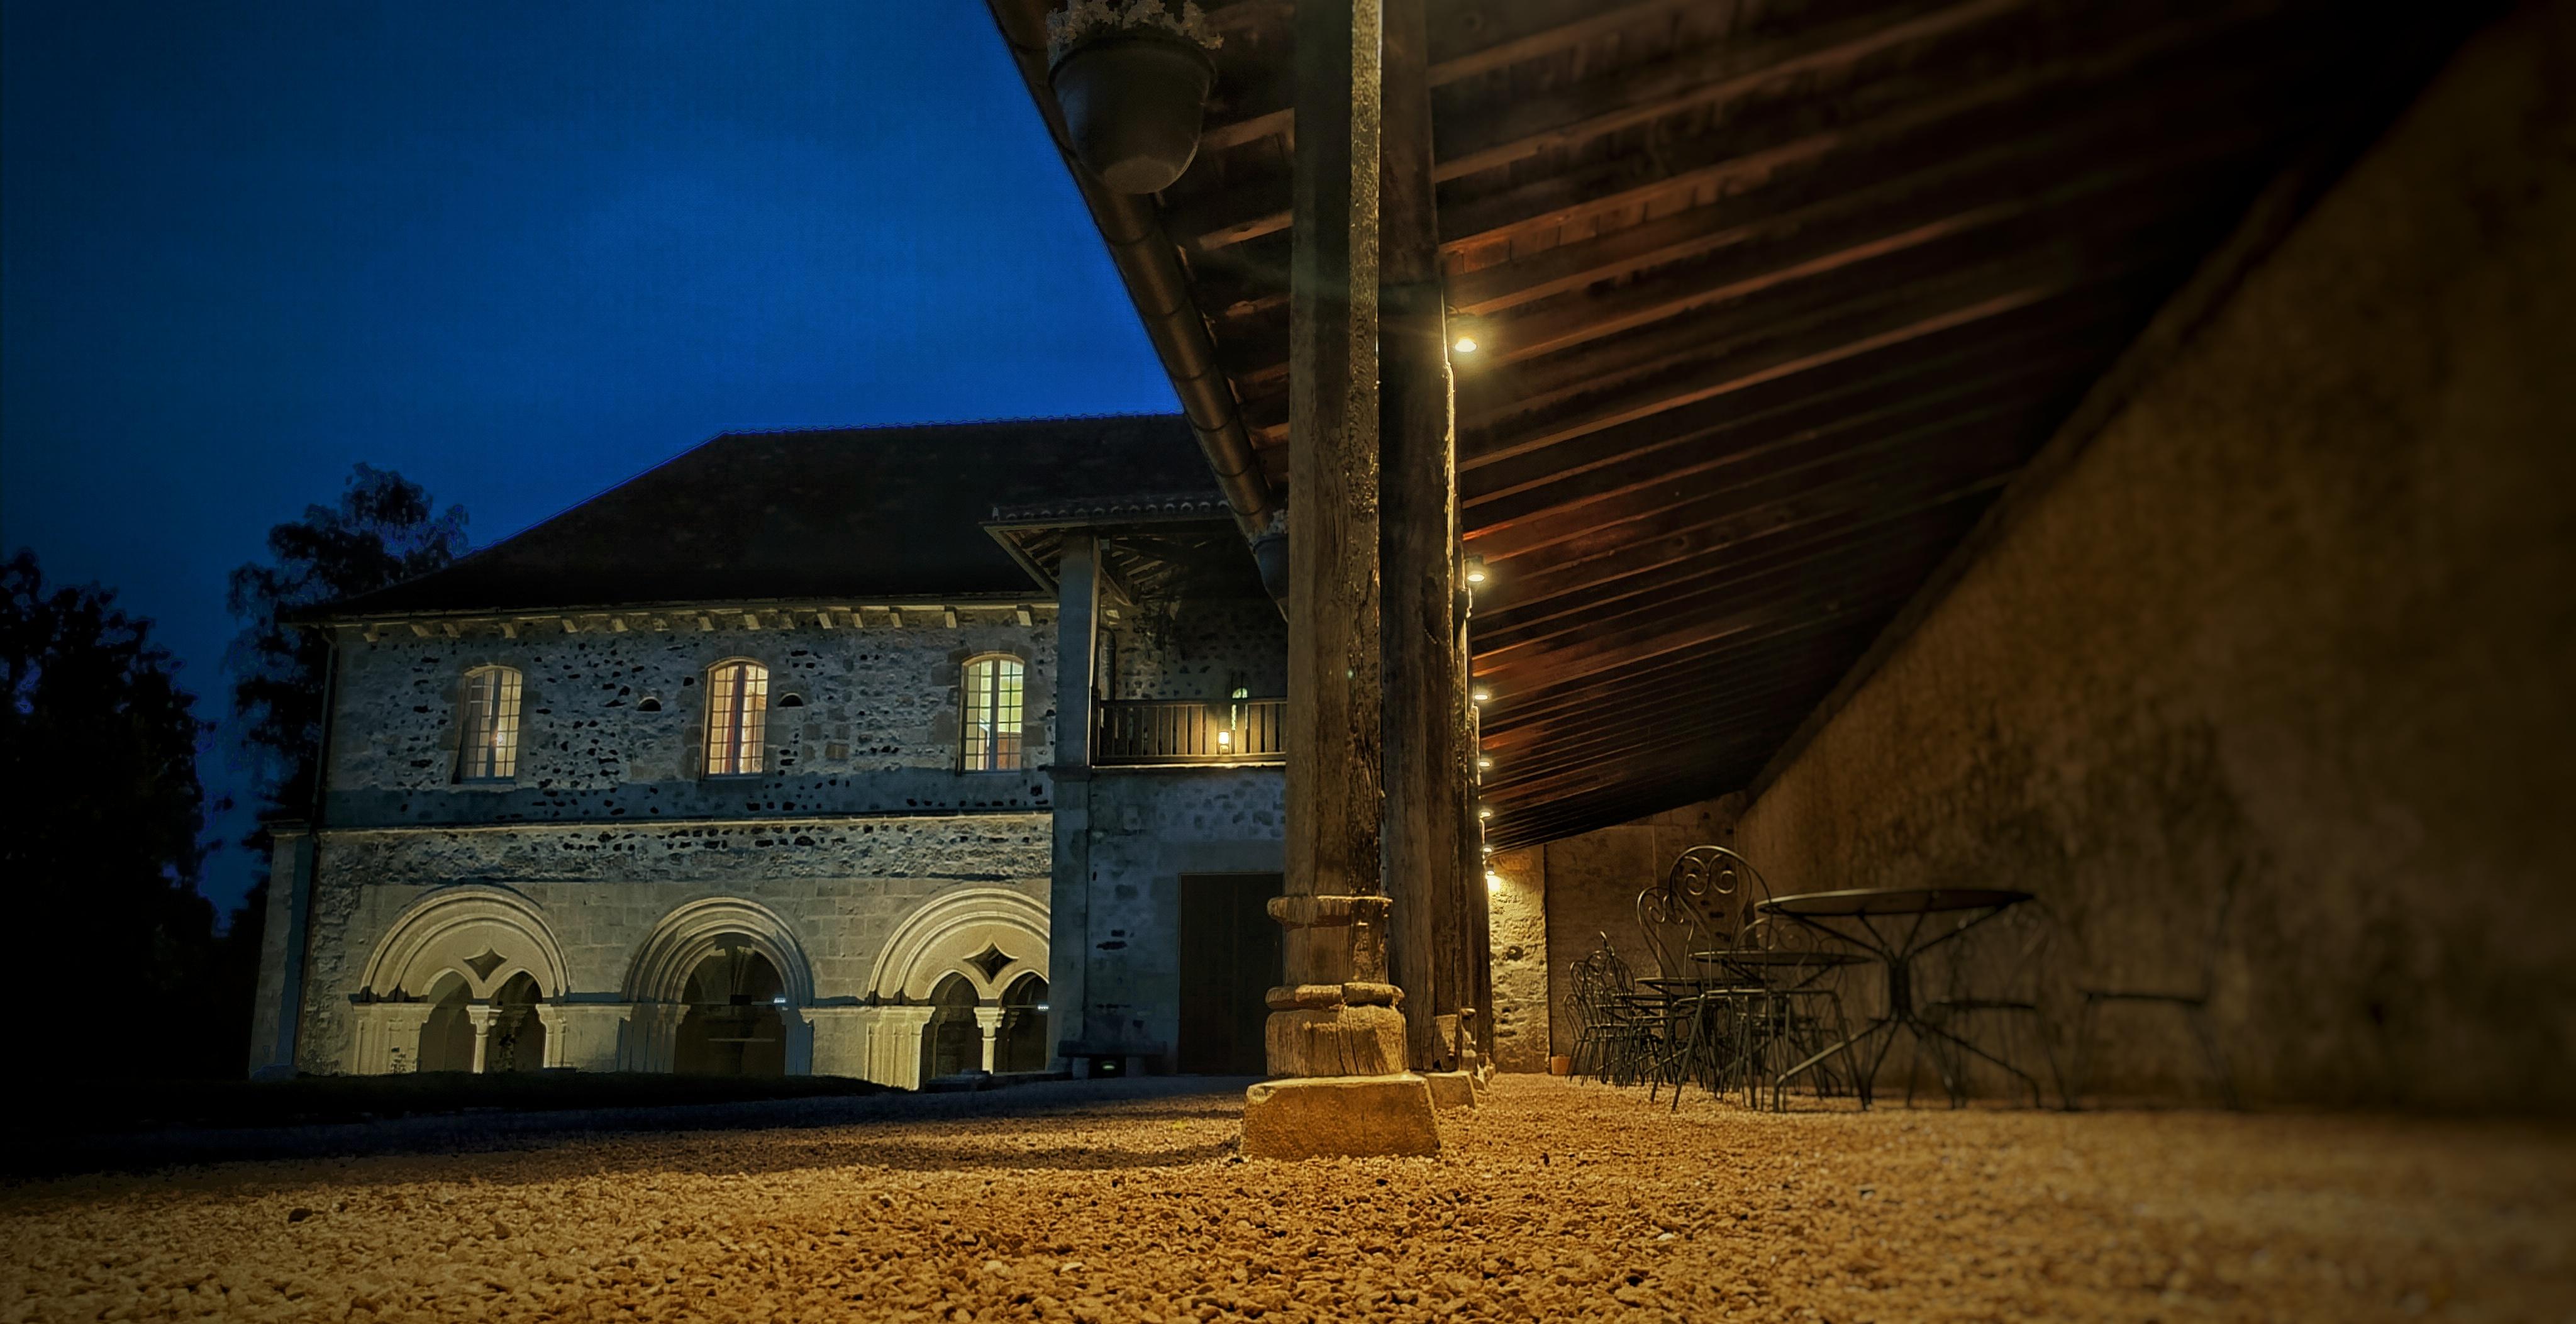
(1334, 1027)
(989, 1020)
(482, 1014)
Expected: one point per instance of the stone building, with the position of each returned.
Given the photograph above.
(771, 761)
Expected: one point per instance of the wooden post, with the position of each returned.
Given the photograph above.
(1418, 539)
(1335, 1019)
(1077, 644)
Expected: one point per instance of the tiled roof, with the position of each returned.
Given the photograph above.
(838, 513)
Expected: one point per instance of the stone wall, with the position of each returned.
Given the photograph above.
(838, 885)
(873, 729)
(1198, 649)
(2290, 643)
(1516, 893)
(1149, 826)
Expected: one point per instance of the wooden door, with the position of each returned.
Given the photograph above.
(1230, 957)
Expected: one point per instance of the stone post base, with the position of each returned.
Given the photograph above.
(1451, 1089)
(1339, 1116)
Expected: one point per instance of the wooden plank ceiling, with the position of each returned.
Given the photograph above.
(1771, 298)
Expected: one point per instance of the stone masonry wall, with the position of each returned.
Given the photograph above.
(1149, 827)
(876, 730)
(2291, 645)
(1516, 891)
(839, 884)
(1199, 650)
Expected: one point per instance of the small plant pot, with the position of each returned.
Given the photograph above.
(1133, 102)
(1560, 1065)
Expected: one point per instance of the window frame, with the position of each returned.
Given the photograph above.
(1009, 753)
(751, 729)
(490, 726)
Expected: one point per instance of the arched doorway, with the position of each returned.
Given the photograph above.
(734, 1024)
(952, 1043)
(1021, 1044)
(517, 1040)
(447, 1037)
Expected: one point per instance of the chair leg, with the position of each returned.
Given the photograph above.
(2084, 1026)
(2199, 1016)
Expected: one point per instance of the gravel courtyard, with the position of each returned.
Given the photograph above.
(1124, 1201)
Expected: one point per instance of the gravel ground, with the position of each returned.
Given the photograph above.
(1553, 1200)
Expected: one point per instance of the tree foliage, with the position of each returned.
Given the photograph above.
(98, 744)
(383, 530)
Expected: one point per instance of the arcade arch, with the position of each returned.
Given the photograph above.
(721, 986)
(458, 965)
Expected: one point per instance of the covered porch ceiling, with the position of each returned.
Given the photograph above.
(1771, 299)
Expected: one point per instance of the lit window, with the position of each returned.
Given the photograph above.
(992, 718)
(737, 717)
(491, 747)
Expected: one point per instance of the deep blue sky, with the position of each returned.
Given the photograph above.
(515, 251)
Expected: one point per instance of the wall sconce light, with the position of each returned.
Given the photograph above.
(1480, 694)
(1484, 811)
(1493, 881)
(1475, 570)
(1224, 740)
(1484, 763)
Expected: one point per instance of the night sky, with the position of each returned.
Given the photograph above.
(517, 252)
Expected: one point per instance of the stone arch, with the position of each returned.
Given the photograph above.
(692, 932)
(989, 935)
(484, 934)
(657, 980)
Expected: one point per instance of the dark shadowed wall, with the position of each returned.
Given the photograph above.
(2300, 622)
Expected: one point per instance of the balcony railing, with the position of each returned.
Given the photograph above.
(1139, 732)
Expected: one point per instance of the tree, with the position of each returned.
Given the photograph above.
(99, 748)
(383, 531)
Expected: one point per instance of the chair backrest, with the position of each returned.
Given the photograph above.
(1721, 886)
(1599, 978)
(1671, 932)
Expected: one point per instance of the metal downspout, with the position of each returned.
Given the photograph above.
(1151, 269)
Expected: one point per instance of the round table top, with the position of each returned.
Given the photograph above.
(1860, 901)
(1773, 957)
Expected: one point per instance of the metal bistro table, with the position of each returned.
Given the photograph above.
(1855, 916)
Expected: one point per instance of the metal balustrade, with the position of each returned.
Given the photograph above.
(1141, 732)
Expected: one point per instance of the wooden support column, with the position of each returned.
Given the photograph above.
(1077, 644)
(1418, 541)
(1335, 1023)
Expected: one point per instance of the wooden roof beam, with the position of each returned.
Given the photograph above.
(1619, 99)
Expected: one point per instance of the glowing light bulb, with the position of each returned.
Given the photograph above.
(1480, 694)
(1483, 762)
(1475, 570)
(1484, 811)
(1225, 740)
(1464, 345)
(1493, 881)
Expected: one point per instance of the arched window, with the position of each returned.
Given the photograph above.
(737, 716)
(990, 726)
(490, 749)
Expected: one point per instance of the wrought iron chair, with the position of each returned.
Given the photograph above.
(1798, 1012)
(1997, 993)
(2193, 1001)
(1790, 1003)
(1691, 920)
(1610, 1036)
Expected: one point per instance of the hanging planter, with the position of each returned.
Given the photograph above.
(1133, 80)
